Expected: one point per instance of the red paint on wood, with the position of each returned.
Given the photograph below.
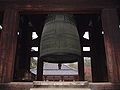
(112, 43)
(8, 45)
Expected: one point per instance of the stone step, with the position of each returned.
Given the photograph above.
(61, 84)
(60, 89)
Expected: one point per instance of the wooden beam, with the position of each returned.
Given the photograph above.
(110, 24)
(35, 42)
(8, 43)
(86, 53)
(34, 54)
(40, 6)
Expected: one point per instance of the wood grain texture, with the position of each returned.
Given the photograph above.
(8, 42)
(112, 43)
(82, 6)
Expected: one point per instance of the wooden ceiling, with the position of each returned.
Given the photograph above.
(41, 6)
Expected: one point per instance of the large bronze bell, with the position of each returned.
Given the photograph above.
(60, 39)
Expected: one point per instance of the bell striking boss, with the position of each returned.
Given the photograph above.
(60, 39)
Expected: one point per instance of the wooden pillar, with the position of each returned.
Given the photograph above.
(25, 49)
(8, 42)
(81, 74)
(22, 62)
(99, 69)
(26, 39)
(29, 38)
(1, 21)
(40, 64)
(40, 70)
(0, 32)
(81, 69)
(110, 23)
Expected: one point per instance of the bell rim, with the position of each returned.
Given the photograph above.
(61, 61)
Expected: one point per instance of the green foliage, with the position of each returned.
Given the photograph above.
(73, 65)
(87, 63)
(33, 63)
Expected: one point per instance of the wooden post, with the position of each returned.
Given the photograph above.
(99, 69)
(40, 64)
(81, 69)
(22, 62)
(8, 43)
(25, 49)
(40, 70)
(110, 23)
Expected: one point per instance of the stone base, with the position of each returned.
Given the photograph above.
(104, 86)
(16, 86)
(28, 85)
(60, 89)
(60, 84)
(50, 85)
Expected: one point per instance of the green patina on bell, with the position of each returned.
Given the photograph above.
(60, 39)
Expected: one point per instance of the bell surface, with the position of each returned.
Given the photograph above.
(60, 41)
